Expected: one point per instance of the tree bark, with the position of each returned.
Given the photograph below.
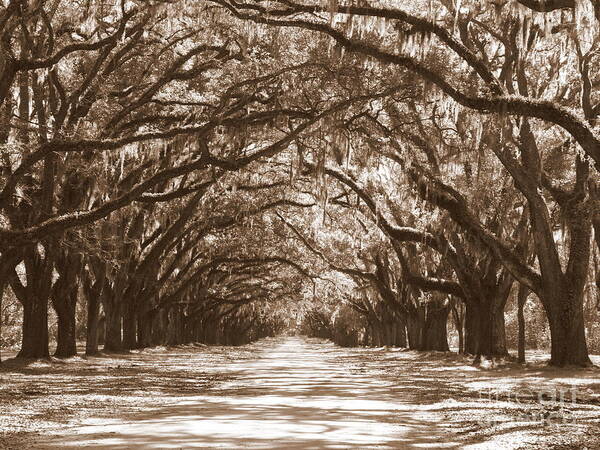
(499, 333)
(112, 318)
(7, 265)
(567, 329)
(401, 333)
(414, 326)
(562, 292)
(522, 295)
(2, 287)
(34, 297)
(435, 333)
(93, 293)
(472, 318)
(459, 325)
(159, 327)
(93, 316)
(174, 329)
(377, 333)
(144, 328)
(129, 326)
(65, 311)
(35, 327)
(64, 301)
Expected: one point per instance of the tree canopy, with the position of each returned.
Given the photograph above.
(220, 170)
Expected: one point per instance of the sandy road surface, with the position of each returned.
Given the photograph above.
(295, 394)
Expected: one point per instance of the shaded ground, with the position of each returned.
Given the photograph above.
(510, 406)
(294, 393)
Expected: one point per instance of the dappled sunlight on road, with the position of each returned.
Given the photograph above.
(297, 394)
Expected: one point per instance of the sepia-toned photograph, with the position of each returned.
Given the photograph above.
(300, 224)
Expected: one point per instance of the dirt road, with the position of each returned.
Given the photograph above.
(293, 393)
(296, 394)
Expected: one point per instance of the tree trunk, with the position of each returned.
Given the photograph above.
(93, 316)
(498, 333)
(491, 337)
(64, 302)
(34, 297)
(35, 328)
(7, 262)
(65, 311)
(471, 323)
(366, 336)
(112, 317)
(65, 293)
(378, 333)
(199, 332)
(4, 269)
(129, 326)
(567, 330)
(218, 333)
(93, 291)
(226, 336)
(458, 324)
(2, 286)
(435, 333)
(522, 299)
(174, 327)
(144, 328)
(562, 292)
(160, 323)
(386, 330)
(400, 339)
(102, 330)
(414, 327)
